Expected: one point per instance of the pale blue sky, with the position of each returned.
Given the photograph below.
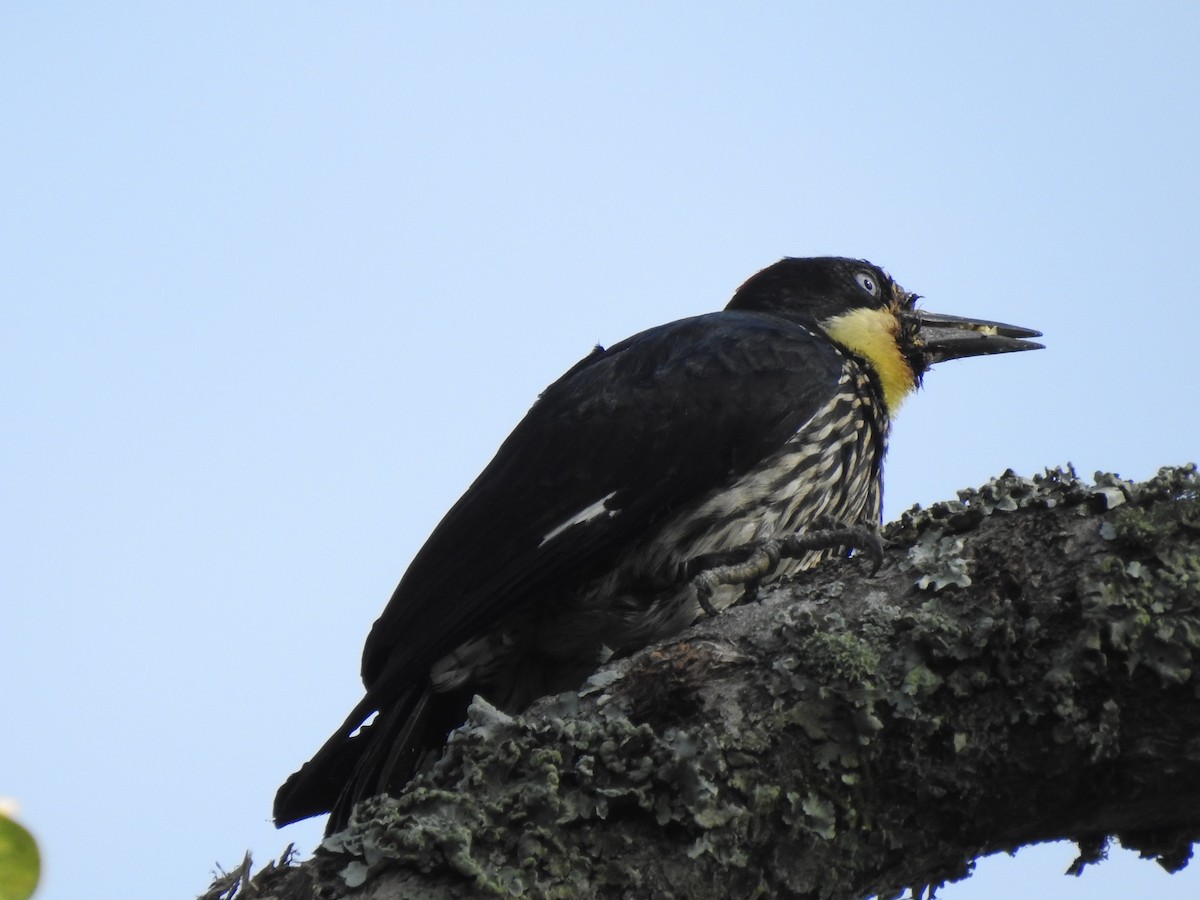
(277, 278)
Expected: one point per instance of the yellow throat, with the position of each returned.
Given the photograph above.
(871, 334)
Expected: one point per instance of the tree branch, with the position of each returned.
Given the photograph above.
(1022, 668)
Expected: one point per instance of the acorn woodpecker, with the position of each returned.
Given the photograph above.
(582, 537)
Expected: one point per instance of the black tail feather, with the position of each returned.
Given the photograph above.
(358, 761)
(394, 751)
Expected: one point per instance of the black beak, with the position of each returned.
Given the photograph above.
(945, 337)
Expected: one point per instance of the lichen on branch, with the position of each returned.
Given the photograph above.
(1022, 668)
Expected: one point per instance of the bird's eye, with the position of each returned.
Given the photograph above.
(867, 282)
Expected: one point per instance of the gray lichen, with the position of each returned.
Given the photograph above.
(848, 735)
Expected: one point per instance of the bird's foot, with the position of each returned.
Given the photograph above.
(749, 564)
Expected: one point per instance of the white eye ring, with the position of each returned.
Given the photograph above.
(867, 282)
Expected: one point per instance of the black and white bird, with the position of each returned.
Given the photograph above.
(581, 538)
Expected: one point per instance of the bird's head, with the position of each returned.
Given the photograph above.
(863, 310)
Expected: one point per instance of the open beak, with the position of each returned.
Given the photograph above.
(944, 337)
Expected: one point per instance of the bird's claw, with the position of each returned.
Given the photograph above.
(863, 538)
(761, 559)
(756, 561)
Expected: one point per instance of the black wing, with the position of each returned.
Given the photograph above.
(642, 428)
(605, 454)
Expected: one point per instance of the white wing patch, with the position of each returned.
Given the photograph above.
(587, 514)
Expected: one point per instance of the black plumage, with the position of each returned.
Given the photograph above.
(690, 438)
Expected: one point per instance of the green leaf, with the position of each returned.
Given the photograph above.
(20, 864)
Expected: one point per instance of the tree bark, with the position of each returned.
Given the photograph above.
(1022, 668)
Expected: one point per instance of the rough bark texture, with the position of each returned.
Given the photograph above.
(1023, 668)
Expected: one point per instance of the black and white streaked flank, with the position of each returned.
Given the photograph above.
(689, 439)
